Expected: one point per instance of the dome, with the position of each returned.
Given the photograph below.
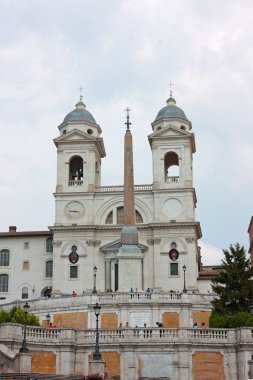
(171, 111)
(80, 114)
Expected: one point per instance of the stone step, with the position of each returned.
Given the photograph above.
(38, 376)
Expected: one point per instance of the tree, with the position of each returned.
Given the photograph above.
(17, 315)
(233, 285)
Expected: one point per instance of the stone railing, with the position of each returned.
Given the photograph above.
(77, 182)
(137, 297)
(43, 305)
(174, 179)
(121, 188)
(162, 335)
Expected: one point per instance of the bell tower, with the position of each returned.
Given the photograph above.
(173, 145)
(79, 152)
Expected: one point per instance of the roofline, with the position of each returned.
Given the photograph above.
(25, 233)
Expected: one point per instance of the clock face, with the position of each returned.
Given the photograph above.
(74, 210)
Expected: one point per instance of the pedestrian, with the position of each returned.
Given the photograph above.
(120, 329)
(159, 324)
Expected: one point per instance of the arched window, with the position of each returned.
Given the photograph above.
(138, 217)
(76, 171)
(49, 247)
(171, 166)
(49, 269)
(109, 219)
(25, 293)
(4, 258)
(119, 217)
(4, 282)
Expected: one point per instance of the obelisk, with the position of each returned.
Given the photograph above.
(129, 257)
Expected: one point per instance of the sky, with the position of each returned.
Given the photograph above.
(124, 53)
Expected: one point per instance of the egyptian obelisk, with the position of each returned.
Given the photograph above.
(129, 256)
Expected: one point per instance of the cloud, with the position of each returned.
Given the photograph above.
(210, 255)
(124, 53)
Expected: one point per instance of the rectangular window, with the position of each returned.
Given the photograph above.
(4, 257)
(26, 265)
(73, 271)
(26, 245)
(4, 279)
(49, 268)
(174, 269)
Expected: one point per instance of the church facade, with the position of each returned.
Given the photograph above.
(89, 218)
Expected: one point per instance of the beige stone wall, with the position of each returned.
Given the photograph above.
(109, 321)
(71, 320)
(43, 362)
(170, 319)
(112, 360)
(200, 317)
(112, 363)
(208, 366)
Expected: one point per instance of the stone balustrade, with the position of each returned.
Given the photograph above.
(41, 306)
(127, 335)
(121, 188)
(75, 182)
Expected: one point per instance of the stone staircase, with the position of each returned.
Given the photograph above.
(38, 376)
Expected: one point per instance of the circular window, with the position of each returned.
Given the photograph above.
(90, 131)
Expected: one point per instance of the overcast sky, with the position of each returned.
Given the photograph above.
(125, 53)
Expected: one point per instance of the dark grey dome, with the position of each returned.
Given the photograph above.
(171, 111)
(80, 114)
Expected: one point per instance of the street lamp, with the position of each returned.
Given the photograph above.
(94, 291)
(48, 316)
(97, 355)
(23, 349)
(184, 289)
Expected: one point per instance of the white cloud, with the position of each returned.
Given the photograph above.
(210, 255)
(125, 55)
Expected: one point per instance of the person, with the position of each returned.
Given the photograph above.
(74, 294)
(145, 331)
(148, 293)
(195, 326)
(159, 324)
(51, 326)
(120, 329)
(136, 331)
(203, 326)
(126, 326)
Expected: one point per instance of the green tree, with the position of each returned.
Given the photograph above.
(233, 285)
(17, 315)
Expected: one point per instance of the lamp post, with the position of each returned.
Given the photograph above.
(48, 316)
(94, 291)
(184, 289)
(23, 349)
(97, 355)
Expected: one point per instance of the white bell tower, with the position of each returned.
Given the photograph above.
(79, 152)
(173, 145)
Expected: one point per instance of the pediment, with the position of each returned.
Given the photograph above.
(170, 131)
(115, 245)
(75, 135)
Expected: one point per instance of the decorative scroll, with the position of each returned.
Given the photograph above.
(154, 241)
(57, 243)
(93, 243)
(190, 239)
